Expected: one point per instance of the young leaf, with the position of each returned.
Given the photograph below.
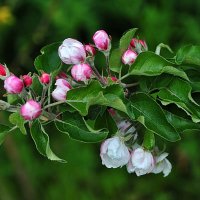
(93, 94)
(151, 64)
(49, 61)
(115, 63)
(4, 130)
(17, 119)
(126, 39)
(41, 140)
(36, 86)
(151, 115)
(106, 121)
(77, 128)
(188, 55)
(179, 93)
(181, 124)
(149, 140)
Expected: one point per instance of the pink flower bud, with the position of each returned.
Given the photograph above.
(134, 42)
(45, 78)
(61, 75)
(81, 72)
(63, 84)
(31, 110)
(112, 112)
(113, 78)
(13, 85)
(72, 52)
(90, 50)
(129, 56)
(27, 80)
(138, 44)
(143, 43)
(2, 70)
(101, 40)
(59, 94)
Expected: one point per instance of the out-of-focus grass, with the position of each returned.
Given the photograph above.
(26, 26)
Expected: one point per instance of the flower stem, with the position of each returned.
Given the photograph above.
(131, 85)
(123, 77)
(107, 64)
(54, 104)
(99, 77)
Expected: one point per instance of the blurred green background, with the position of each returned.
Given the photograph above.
(26, 26)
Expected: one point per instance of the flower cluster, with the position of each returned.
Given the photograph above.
(116, 153)
(93, 103)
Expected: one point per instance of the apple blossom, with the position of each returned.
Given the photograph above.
(162, 165)
(129, 56)
(102, 40)
(81, 72)
(72, 51)
(114, 153)
(139, 45)
(13, 85)
(59, 94)
(114, 79)
(62, 75)
(31, 110)
(134, 42)
(2, 70)
(45, 78)
(141, 162)
(90, 49)
(143, 43)
(27, 80)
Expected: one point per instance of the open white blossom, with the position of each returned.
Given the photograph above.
(162, 165)
(141, 162)
(114, 153)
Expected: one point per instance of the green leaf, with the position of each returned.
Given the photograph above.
(13, 98)
(188, 55)
(77, 128)
(151, 64)
(4, 131)
(181, 124)
(149, 83)
(179, 93)
(36, 86)
(41, 140)
(106, 121)
(149, 140)
(49, 61)
(151, 115)
(115, 63)
(17, 119)
(93, 94)
(126, 39)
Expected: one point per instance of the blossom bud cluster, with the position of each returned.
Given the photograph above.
(136, 46)
(14, 85)
(114, 153)
(73, 52)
